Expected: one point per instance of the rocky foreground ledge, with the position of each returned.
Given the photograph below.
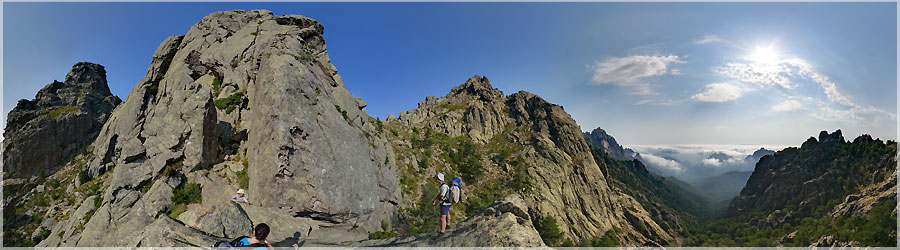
(506, 223)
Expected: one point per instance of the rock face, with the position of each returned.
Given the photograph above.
(312, 148)
(522, 139)
(670, 205)
(600, 139)
(506, 223)
(243, 93)
(828, 179)
(44, 133)
(819, 171)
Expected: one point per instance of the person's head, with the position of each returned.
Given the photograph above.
(439, 177)
(261, 231)
(240, 192)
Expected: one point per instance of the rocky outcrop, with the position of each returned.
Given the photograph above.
(506, 223)
(600, 139)
(526, 145)
(243, 93)
(828, 179)
(820, 170)
(44, 133)
(474, 109)
(312, 148)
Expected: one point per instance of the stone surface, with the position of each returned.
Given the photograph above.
(845, 178)
(567, 183)
(809, 175)
(225, 220)
(254, 92)
(506, 223)
(44, 133)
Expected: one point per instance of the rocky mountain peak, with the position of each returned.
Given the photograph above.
(86, 72)
(61, 119)
(600, 139)
(478, 88)
(834, 137)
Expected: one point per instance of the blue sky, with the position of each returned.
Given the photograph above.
(648, 73)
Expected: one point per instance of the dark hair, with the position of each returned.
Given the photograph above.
(261, 231)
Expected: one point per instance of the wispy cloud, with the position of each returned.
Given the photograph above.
(764, 75)
(709, 39)
(788, 105)
(782, 73)
(720, 92)
(627, 71)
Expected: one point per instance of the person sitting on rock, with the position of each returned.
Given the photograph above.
(258, 241)
(239, 197)
(445, 203)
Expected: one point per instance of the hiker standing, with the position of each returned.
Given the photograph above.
(443, 196)
(239, 197)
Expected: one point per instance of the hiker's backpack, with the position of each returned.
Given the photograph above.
(236, 243)
(454, 193)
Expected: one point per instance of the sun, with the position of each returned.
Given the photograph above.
(765, 55)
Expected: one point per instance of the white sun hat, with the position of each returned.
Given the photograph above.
(240, 191)
(440, 176)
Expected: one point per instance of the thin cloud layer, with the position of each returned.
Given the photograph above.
(764, 75)
(788, 105)
(699, 161)
(720, 92)
(709, 39)
(786, 74)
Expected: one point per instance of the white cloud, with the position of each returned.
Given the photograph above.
(664, 163)
(709, 39)
(720, 92)
(781, 71)
(625, 71)
(641, 102)
(787, 105)
(712, 162)
(675, 72)
(764, 75)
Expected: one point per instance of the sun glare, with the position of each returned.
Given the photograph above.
(765, 55)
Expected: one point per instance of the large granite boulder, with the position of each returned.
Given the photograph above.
(242, 97)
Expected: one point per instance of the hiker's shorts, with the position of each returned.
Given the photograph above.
(445, 210)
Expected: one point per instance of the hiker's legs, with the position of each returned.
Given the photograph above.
(445, 217)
